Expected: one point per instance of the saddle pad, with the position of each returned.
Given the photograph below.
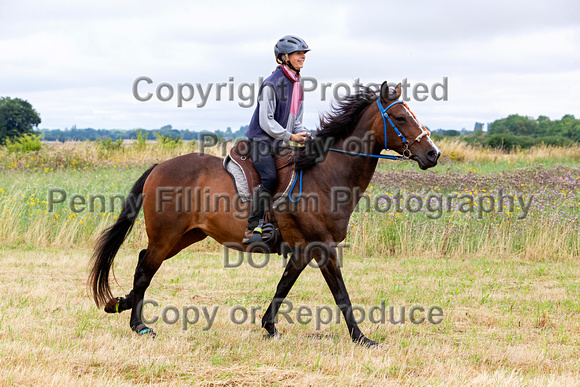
(240, 167)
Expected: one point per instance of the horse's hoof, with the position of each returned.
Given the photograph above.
(366, 342)
(112, 305)
(148, 332)
(143, 330)
(275, 335)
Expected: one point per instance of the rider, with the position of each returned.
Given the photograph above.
(277, 119)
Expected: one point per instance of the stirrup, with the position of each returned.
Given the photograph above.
(257, 233)
(268, 232)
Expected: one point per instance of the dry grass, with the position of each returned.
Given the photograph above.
(88, 155)
(506, 322)
(460, 151)
(85, 155)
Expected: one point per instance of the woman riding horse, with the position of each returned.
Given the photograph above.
(358, 119)
(277, 118)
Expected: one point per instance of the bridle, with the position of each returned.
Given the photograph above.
(406, 151)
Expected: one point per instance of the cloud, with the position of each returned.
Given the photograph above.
(76, 62)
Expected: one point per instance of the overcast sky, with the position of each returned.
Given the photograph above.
(77, 61)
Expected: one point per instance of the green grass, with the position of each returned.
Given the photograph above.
(35, 211)
(549, 228)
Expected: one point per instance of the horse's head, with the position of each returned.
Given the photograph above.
(404, 133)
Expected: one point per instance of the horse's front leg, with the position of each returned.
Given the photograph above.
(295, 266)
(328, 263)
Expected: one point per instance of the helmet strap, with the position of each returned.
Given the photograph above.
(287, 63)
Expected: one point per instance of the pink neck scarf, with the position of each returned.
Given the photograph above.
(297, 92)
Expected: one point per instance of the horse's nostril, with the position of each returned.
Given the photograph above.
(433, 155)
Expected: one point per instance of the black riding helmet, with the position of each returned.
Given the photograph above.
(287, 45)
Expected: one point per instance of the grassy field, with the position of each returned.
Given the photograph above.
(508, 284)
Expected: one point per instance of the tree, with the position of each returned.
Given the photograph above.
(514, 124)
(544, 126)
(17, 117)
(478, 129)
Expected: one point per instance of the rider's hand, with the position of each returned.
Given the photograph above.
(300, 138)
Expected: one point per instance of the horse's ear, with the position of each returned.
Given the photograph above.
(385, 90)
(390, 93)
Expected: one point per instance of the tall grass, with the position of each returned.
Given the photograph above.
(84, 203)
(131, 153)
(459, 151)
(87, 155)
(537, 239)
(550, 231)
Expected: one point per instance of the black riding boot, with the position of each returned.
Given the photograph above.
(261, 203)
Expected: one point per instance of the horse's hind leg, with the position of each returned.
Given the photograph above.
(149, 262)
(146, 268)
(121, 304)
(295, 266)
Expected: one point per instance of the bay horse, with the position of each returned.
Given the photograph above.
(358, 118)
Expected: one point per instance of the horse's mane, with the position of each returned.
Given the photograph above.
(337, 124)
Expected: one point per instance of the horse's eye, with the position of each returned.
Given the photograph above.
(400, 119)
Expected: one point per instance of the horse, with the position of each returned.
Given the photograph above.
(360, 118)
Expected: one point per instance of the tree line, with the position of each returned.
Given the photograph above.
(521, 131)
(90, 134)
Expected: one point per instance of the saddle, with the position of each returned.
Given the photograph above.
(240, 167)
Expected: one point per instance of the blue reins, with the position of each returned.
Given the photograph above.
(299, 189)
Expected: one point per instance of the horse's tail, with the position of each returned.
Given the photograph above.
(111, 240)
